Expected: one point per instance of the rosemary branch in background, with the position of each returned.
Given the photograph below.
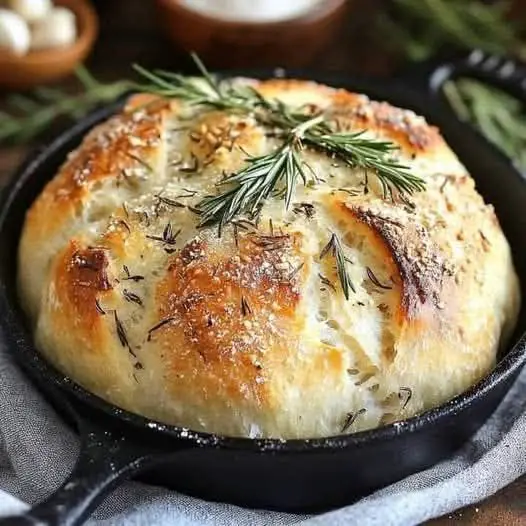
(30, 115)
(498, 116)
(278, 172)
(423, 27)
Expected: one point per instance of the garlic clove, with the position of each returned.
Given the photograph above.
(30, 10)
(14, 32)
(57, 29)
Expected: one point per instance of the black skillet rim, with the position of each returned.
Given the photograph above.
(17, 336)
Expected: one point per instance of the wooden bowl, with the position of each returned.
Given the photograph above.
(48, 65)
(294, 42)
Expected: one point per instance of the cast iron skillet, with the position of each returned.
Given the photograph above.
(293, 475)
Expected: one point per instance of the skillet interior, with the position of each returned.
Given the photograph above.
(298, 474)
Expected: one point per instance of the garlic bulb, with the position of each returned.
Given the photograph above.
(56, 29)
(14, 32)
(30, 10)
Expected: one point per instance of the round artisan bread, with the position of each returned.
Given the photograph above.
(250, 333)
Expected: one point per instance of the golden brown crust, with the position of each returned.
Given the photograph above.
(420, 265)
(412, 135)
(250, 334)
(81, 274)
(108, 151)
(227, 312)
(355, 111)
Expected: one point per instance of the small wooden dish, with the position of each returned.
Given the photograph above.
(48, 65)
(294, 42)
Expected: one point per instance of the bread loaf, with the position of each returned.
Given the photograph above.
(250, 333)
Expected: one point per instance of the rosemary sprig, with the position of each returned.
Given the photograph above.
(277, 173)
(370, 154)
(28, 116)
(272, 174)
(205, 91)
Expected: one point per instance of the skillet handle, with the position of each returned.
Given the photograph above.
(106, 458)
(429, 77)
(502, 72)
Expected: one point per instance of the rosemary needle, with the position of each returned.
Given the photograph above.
(335, 247)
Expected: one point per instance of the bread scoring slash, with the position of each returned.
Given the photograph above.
(348, 310)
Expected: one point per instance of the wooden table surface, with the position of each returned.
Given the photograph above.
(129, 33)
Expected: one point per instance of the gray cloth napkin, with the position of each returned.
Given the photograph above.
(37, 451)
